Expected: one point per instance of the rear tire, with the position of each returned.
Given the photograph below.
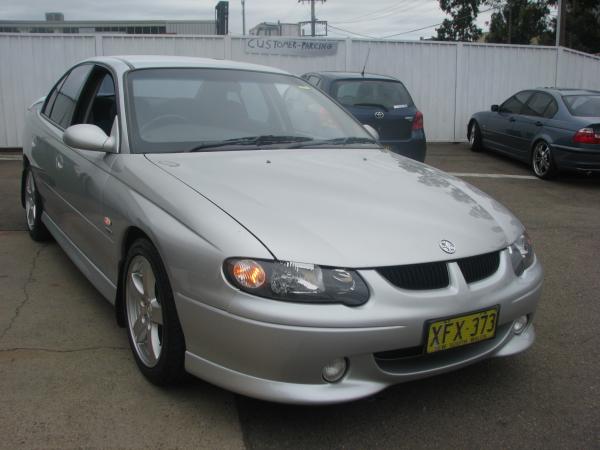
(474, 135)
(33, 208)
(153, 327)
(542, 161)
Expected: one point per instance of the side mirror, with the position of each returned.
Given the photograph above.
(495, 108)
(372, 131)
(89, 137)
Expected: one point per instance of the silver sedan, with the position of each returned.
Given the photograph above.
(251, 232)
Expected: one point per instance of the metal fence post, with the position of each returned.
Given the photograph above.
(99, 45)
(348, 54)
(227, 43)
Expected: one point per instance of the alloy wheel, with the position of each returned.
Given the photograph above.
(30, 200)
(144, 312)
(472, 134)
(541, 159)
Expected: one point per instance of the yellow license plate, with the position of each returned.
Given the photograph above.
(464, 330)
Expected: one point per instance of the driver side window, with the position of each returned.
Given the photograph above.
(514, 105)
(98, 101)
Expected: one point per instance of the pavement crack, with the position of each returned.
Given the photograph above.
(25, 292)
(60, 350)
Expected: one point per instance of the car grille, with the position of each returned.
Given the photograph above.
(417, 277)
(426, 276)
(479, 267)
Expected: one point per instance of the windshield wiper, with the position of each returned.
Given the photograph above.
(336, 141)
(267, 139)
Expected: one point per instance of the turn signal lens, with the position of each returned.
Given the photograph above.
(249, 274)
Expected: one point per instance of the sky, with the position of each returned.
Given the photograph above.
(375, 18)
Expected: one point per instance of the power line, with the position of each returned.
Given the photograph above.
(430, 26)
(351, 32)
(388, 12)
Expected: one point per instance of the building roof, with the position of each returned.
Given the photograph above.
(84, 23)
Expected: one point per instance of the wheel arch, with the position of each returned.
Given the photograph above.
(131, 234)
(26, 165)
(472, 120)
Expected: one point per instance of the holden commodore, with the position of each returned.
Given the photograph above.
(251, 232)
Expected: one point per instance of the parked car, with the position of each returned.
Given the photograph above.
(549, 128)
(380, 101)
(249, 231)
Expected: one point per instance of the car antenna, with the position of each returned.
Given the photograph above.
(366, 60)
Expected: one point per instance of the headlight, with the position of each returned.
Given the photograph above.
(296, 282)
(521, 254)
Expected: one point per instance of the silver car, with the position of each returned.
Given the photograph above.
(252, 233)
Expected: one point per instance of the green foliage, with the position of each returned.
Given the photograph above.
(530, 23)
(583, 25)
(461, 27)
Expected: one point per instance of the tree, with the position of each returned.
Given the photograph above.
(461, 27)
(521, 22)
(583, 25)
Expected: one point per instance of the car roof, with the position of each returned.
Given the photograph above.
(334, 75)
(160, 61)
(568, 91)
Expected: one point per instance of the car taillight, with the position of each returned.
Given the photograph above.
(418, 121)
(587, 136)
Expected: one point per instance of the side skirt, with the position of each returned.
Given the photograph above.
(83, 263)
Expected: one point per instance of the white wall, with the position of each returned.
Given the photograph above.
(448, 81)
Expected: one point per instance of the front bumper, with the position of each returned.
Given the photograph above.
(283, 361)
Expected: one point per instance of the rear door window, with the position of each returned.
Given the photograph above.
(540, 105)
(51, 98)
(68, 94)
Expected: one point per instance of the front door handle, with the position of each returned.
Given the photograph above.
(512, 119)
(539, 124)
(59, 162)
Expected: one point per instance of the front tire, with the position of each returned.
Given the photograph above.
(474, 134)
(33, 208)
(542, 162)
(153, 327)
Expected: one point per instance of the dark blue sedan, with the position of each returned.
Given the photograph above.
(379, 101)
(551, 129)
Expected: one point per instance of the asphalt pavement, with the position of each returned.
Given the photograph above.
(68, 379)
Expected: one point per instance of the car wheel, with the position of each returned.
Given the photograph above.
(542, 161)
(33, 209)
(475, 137)
(154, 332)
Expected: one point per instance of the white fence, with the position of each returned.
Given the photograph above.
(449, 81)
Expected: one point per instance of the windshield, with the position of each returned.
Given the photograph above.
(388, 94)
(188, 109)
(583, 105)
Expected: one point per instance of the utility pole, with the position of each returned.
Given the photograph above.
(244, 17)
(561, 23)
(313, 17)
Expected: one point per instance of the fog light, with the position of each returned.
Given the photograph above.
(335, 370)
(520, 324)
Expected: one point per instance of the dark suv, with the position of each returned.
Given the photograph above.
(380, 101)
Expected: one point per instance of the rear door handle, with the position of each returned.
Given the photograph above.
(539, 124)
(512, 119)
